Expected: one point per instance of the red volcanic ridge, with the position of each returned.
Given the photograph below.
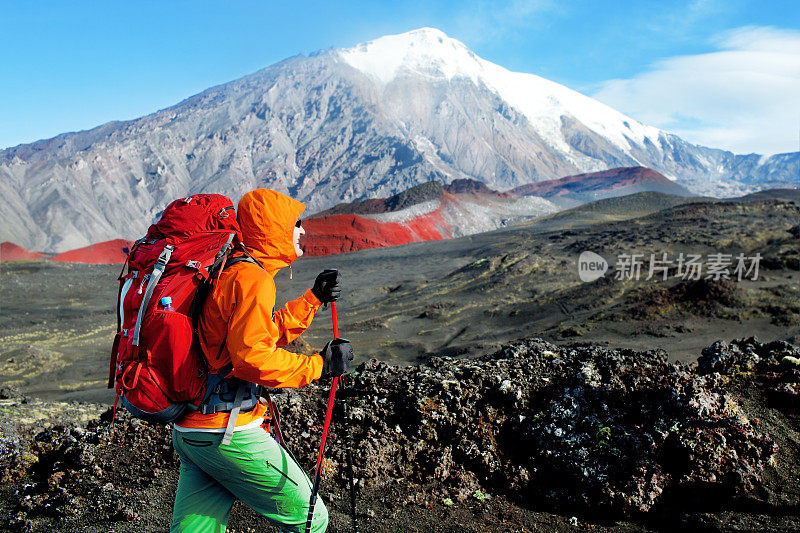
(11, 252)
(336, 234)
(603, 181)
(101, 253)
(347, 228)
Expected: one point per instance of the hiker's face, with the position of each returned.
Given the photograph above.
(298, 230)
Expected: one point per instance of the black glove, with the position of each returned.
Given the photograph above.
(328, 286)
(336, 356)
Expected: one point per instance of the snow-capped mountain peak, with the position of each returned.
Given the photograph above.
(430, 53)
(426, 51)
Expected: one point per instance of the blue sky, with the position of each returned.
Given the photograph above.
(724, 73)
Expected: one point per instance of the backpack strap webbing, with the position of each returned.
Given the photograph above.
(237, 405)
(221, 259)
(161, 264)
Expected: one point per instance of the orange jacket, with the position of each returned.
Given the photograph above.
(238, 325)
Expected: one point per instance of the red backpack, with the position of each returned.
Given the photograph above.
(157, 365)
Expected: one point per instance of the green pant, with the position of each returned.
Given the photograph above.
(252, 468)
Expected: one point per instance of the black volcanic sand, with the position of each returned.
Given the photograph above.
(462, 297)
(534, 436)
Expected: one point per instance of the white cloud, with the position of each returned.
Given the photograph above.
(744, 97)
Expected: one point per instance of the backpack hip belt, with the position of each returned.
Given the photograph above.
(229, 394)
(223, 396)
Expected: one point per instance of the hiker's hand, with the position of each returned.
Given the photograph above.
(336, 356)
(328, 286)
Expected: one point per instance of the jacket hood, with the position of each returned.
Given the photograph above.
(267, 220)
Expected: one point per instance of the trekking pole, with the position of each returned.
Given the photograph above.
(313, 501)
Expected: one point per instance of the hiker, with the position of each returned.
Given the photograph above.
(237, 326)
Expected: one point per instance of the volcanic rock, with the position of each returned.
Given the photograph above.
(585, 430)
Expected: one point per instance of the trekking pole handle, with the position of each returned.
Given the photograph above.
(325, 306)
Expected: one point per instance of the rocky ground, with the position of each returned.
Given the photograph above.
(533, 436)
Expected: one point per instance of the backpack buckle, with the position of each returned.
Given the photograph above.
(202, 273)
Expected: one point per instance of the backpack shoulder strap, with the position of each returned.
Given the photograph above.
(205, 287)
(242, 259)
(246, 257)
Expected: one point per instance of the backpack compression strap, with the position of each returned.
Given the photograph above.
(237, 405)
(161, 264)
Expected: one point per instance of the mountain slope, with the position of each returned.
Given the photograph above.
(582, 188)
(339, 126)
(427, 212)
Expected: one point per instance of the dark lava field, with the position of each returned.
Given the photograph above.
(496, 390)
